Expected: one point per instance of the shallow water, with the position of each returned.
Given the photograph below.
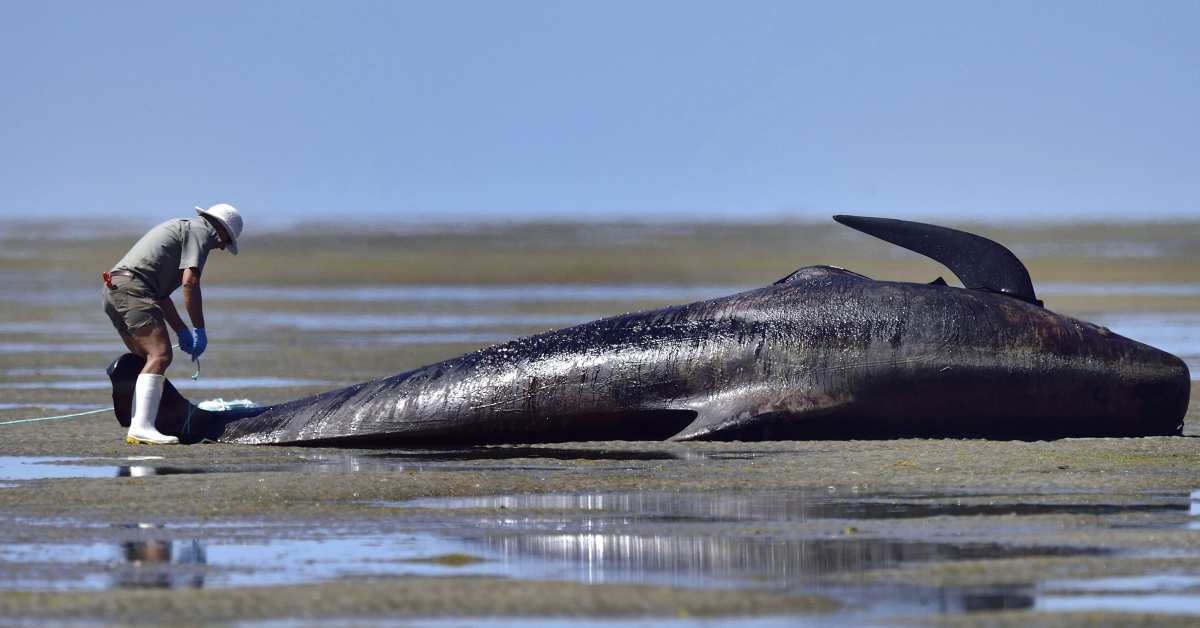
(216, 383)
(55, 343)
(41, 467)
(343, 321)
(487, 294)
(693, 540)
(609, 538)
(155, 563)
(1105, 289)
(1156, 593)
(1173, 332)
(26, 468)
(800, 541)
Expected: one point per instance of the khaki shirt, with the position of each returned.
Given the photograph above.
(160, 256)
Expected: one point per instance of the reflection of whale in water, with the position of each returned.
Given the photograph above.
(613, 536)
(696, 540)
(790, 505)
(680, 559)
(821, 353)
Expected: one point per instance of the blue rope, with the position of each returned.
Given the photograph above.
(55, 418)
(187, 423)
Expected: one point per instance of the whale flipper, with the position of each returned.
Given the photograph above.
(978, 262)
(764, 416)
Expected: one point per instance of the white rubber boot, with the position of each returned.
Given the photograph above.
(147, 392)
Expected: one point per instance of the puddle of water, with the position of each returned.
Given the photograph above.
(1194, 510)
(13, 468)
(40, 468)
(1157, 583)
(158, 562)
(23, 468)
(1157, 603)
(292, 561)
(678, 560)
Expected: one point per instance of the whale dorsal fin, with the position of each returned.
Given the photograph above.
(818, 272)
(978, 262)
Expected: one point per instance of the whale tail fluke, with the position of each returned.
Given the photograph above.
(980, 263)
(124, 372)
(176, 415)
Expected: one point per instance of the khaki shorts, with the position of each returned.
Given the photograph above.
(130, 306)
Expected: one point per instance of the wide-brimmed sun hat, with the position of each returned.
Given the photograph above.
(230, 218)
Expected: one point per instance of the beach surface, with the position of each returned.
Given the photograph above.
(757, 534)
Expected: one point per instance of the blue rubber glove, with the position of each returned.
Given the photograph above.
(201, 343)
(185, 341)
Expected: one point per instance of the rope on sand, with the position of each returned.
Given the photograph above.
(195, 375)
(53, 418)
(211, 405)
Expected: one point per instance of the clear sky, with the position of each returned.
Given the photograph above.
(660, 109)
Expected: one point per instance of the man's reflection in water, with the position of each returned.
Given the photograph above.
(157, 563)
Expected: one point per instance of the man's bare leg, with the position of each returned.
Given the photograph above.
(153, 343)
(129, 344)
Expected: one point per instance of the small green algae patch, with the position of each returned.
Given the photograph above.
(449, 560)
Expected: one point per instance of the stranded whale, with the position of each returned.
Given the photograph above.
(824, 353)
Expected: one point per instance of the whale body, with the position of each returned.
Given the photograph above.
(824, 353)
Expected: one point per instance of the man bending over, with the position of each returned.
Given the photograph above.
(137, 298)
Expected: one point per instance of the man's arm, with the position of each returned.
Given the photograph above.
(172, 316)
(192, 300)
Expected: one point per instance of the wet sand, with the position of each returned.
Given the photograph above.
(910, 530)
